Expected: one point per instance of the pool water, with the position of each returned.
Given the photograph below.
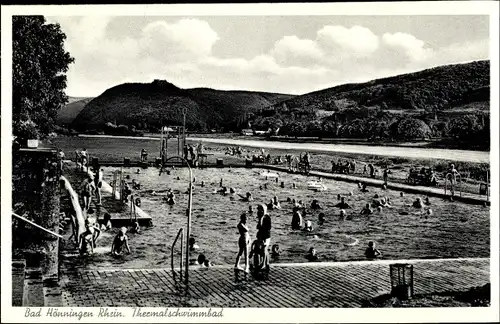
(454, 229)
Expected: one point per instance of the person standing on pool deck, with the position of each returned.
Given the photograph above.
(372, 170)
(98, 185)
(86, 189)
(61, 159)
(263, 225)
(243, 242)
(386, 175)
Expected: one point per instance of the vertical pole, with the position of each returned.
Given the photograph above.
(487, 186)
(161, 144)
(190, 204)
(184, 129)
(178, 140)
(182, 253)
(166, 145)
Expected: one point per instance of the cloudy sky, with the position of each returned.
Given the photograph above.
(287, 54)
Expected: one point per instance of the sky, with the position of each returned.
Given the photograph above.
(284, 54)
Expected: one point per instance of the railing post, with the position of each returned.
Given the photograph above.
(188, 231)
(182, 253)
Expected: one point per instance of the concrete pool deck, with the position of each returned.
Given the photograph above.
(332, 285)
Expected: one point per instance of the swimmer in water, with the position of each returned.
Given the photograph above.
(321, 218)
(315, 204)
(275, 252)
(296, 220)
(138, 171)
(343, 215)
(417, 203)
(363, 188)
(247, 198)
(135, 228)
(276, 203)
(312, 255)
(342, 204)
(371, 252)
(308, 227)
(427, 201)
(120, 241)
(367, 210)
(203, 261)
(192, 244)
(106, 223)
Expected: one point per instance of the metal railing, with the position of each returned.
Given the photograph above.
(453, 183)
(180, 234)
(37, 226)
(189, 210)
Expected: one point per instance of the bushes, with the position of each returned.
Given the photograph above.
(410, 129)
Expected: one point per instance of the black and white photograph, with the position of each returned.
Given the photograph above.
(161, 163)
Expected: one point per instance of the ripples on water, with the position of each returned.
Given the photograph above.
(214, 220)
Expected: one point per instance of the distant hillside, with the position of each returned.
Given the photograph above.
(440, 88)
(445, 102)
(146, 106)
(71, 110)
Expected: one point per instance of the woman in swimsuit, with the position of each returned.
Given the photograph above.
(120, 241)
(243, 242)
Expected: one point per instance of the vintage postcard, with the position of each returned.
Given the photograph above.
(326, 162)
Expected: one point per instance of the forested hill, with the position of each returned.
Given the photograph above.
(147, 105)
(67, 113)
(441, 88)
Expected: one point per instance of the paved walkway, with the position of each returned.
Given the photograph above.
(344, 284)
(430, 191)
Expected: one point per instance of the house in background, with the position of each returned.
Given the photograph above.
(247, 132)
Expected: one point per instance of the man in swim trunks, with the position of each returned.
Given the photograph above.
(243, 242)
(263, 225)
(86, 190)
(119, 242)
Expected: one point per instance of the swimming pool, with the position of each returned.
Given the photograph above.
(454, 230)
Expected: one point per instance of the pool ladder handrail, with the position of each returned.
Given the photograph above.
(180, 234)
(453, 184)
